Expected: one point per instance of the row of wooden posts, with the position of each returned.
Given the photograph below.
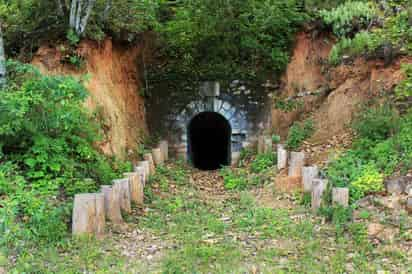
(91, 210)
(311, 181)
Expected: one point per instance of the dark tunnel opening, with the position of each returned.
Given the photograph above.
(209, 139)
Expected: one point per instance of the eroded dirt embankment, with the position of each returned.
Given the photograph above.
(114, 88)
(331, 95)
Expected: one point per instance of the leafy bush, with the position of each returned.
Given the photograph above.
(262, 162)
(299, 132)
(349, 17)
(362, 43)
(394, 37)
(239, 38)
(46, 154)
(234, 178)
(376, 123)
(370, 180)
(404, 88)
(375, 154)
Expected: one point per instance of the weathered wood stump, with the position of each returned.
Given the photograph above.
(142, 174)
(146, 166)
(340, 196)
(149, 157)
(164, 147)
(268, 146)
(112, 204)
(282, 156)
(88, 214)
(157, 156)
(261, 144)
(235, 158)
(296, 163)
(319, 186)
(124, 197)
(308, 174)
(134, 187)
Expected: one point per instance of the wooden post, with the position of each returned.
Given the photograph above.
(88, 214)
(268, 146)
(157, 156)
(261, 144)
(164, 147)
(100, 215)
(235, 158)
(340, 196)
(319, 186)
(142, 174)
(124, 197)
(149, 157)
(308, 174)
(112, 204)
(296, 163)
(282, 156)
(146, 167)
(134, 181)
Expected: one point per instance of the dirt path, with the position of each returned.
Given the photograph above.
(198, 226)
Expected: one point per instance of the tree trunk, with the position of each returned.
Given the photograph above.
(83, 22)
(107, 9)
(3, 79)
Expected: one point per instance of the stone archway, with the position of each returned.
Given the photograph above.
(235, 117)
(209, 141)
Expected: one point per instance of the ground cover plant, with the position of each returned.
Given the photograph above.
(47, 155)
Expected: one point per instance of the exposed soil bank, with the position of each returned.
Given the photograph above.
(114, 87)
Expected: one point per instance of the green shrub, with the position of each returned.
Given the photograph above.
(376, 123)
(404, 88)
(234, 178)
(262, 162)
(363, 42)
(349, 17)
(299, 132)
(370, 180)
(47, 155)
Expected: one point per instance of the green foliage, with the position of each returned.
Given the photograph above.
(288, 105)
(47, 155)
(349, 17)
(394, 37)
(238, 37)
(234, 178)
(263, 162)
(376, 123)
(362, 43)
(404, 88)
(337, 215)
(299, 132)
(370, 180)
(276, 139)
(379, 151)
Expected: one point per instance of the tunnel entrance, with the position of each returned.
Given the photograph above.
(209, 140)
